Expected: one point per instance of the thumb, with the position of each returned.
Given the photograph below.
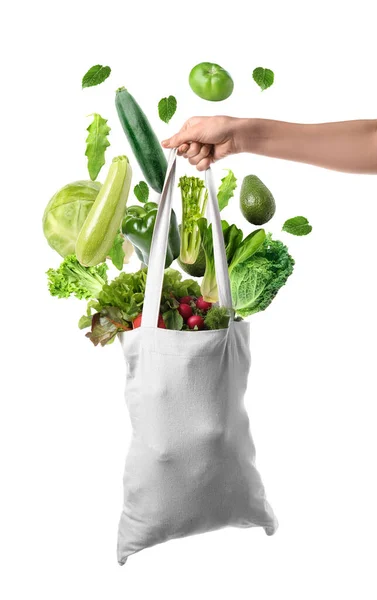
(182, 137)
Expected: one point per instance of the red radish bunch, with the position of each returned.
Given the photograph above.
(192, 309)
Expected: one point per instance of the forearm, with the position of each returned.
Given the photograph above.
(349, 146)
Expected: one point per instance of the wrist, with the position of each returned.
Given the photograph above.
(249, 134)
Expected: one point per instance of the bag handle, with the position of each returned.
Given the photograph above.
(157, 256)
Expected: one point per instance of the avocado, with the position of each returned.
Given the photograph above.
(256, 201)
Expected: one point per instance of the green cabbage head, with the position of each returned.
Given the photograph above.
(66, 212)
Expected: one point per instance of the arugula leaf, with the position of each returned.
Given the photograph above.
(226, 189)
(172, 319)
(116, 252)
(263, 77)
(247, 248)
(96, 144)
(167, 108)
(297, 226)
(95, 76)
(141, 191)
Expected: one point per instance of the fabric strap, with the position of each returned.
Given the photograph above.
(159, 244)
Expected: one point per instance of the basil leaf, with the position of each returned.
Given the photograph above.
(96, 144)
(167, 108)
(95, 76)
(141, 191)
(172, 319)
(226, 189)
(263, 77)
(297, 226)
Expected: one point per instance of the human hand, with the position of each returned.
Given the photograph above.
(204, 140)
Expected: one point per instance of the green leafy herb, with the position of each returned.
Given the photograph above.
(173, 319)
(297, 226)
(167, 108)
(217, 318)
(141, 191)
(117, 252)
(226, 189)
(96, 144)
(95, 76)
(72, 278)
(263, 77)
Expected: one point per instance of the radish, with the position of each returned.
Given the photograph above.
(137, 322)
(161, 322)
(202, 304)
(185, 311)
(195, 321)
(186, 300)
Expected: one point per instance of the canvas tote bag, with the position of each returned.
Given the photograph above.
(190, 465)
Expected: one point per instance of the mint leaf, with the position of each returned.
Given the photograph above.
(226, 189)
(141, 191)
(95, 76)
(167, 108)
(297, 226)
(116, 252)
(263, 77)
(173, 319)
(96, 144)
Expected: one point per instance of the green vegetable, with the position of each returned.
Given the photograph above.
(256, 201)
(121, 301)
(173, 319)
(96, 144)
(71, 278)
(217, 318)
(142, 139)
(232, 239)
(263, 77)
(247, 248)
(167, 108)
(104, 219)
(141, 191)
(138, 225)
(255, 283)
(116, 252)
(211, 82)
(194, 201)
(197, 268)
(226, 189)
(95, 76)
(66, 212)
(297, 226)
(236, 250)
(105, 326)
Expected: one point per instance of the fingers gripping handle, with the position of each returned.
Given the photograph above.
(159, 244)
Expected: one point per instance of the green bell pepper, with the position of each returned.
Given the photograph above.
(138, 225)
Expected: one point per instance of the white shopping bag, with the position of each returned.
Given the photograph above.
(190, 467)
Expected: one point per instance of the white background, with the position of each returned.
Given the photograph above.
(64, 428)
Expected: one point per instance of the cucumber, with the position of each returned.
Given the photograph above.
(142, 139)
(100, 227)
